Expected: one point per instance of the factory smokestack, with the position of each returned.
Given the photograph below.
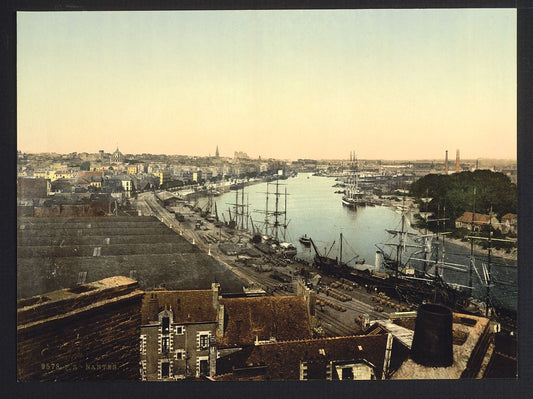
(446, 163)
(457, 164)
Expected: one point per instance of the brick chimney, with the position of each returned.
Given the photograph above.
(153, 307)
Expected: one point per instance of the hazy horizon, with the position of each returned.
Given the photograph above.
(315, 84)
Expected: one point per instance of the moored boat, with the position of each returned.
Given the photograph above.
(304, 240)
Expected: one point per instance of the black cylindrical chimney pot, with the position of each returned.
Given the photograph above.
(433, 339)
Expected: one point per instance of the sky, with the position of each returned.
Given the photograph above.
(383, 84)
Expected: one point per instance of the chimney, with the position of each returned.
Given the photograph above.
(457, 163)
(215, 287)
(433, 339)
(446, 163)
(153, 307)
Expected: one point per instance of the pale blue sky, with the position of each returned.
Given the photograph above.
(387, 84)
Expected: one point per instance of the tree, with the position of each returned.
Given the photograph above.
(455, 193)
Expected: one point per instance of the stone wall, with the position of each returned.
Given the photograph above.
(90, 335)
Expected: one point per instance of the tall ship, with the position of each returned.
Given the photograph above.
(353, 195)
(412, 268)
(271, 232)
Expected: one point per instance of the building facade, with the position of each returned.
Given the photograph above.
(178, 334)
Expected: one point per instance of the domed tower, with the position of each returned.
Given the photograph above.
(117, 156)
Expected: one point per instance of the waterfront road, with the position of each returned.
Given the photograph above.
(334, 322)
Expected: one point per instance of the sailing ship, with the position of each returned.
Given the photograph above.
(353, 196)
(392, 272)
(275, 222)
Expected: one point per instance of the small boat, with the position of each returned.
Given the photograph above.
(304, 240)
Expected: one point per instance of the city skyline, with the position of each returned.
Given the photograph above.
(386, 84)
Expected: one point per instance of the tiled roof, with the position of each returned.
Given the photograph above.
(83, 180)
(90, 173)
(246, 319)
(281, 360)
(479, 218)
(191, 306)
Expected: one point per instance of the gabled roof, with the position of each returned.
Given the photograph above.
(188, 306)
(509, 216)
(245, 319)
(83, 180)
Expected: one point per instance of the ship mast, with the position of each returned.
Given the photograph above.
(279, 215)
(340, 252)
(239, 210)
(487, 272)
(472, 242)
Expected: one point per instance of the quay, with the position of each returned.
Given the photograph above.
(273, 274)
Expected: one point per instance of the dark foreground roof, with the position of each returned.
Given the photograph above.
(187, 306)
(53, 252)
(281, 360)
(247, 319)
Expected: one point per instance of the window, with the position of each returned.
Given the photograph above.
(165, 369)
(204, 341)
(165, 324)
(179, 330)
(347, 373)
(143, 344)
(143, 370)
(180, 354)
(164, 344)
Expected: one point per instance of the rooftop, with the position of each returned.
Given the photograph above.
(468, 335)
(248, 319)
(281, 360)
(479, 218)
(54, 253)
(68, 301)
(188, 306)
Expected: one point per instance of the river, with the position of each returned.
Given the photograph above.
(314, 209)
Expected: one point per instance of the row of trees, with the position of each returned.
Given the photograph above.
(456, 194)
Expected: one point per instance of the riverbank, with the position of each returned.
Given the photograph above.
(501, 253)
